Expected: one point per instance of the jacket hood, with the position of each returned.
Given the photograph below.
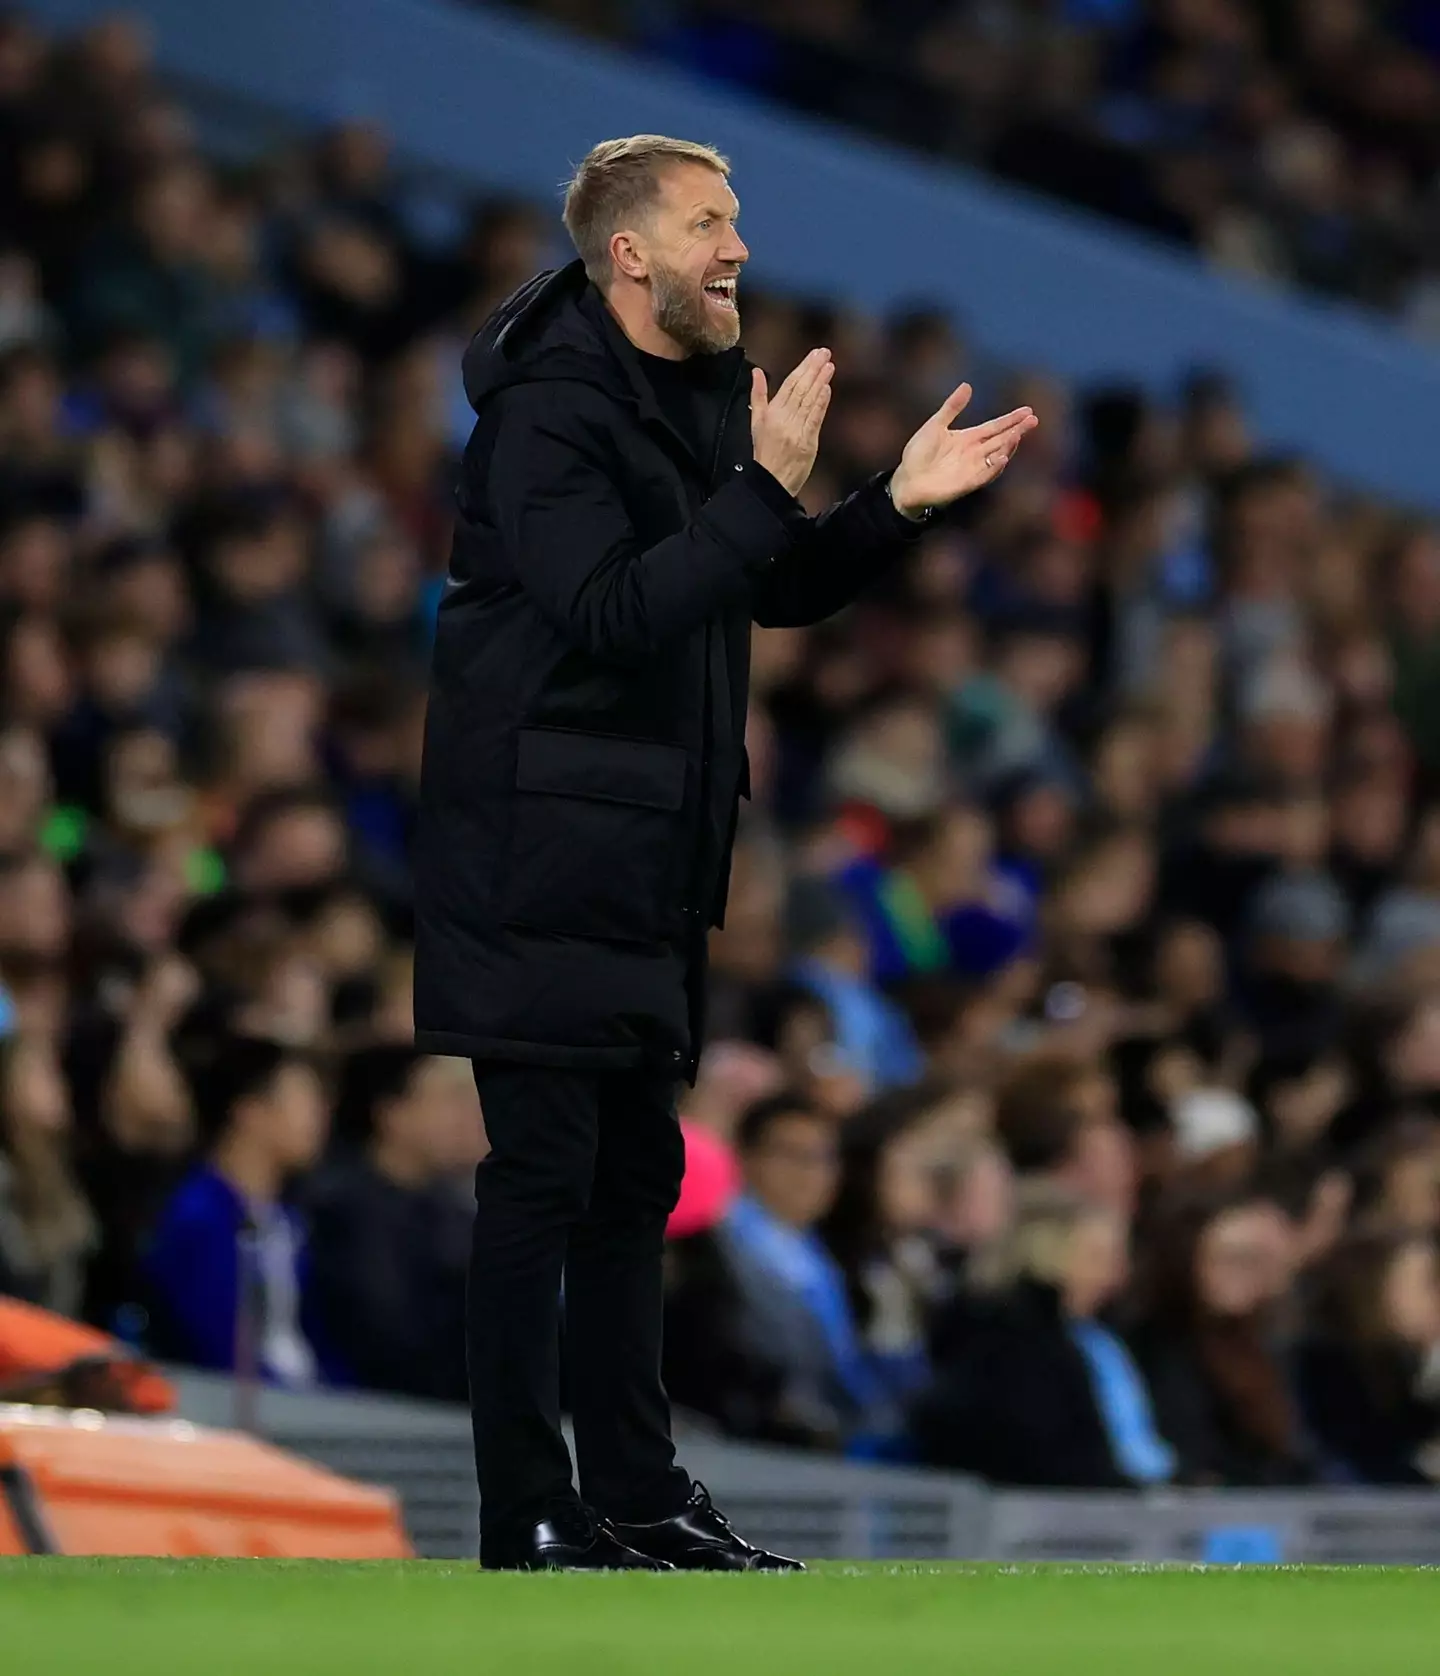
(547, 329)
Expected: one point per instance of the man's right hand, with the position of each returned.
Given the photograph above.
(786, 430)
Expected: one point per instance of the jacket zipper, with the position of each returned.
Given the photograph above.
(695, 914)
(725, 426)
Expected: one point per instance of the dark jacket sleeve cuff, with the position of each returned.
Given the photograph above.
(897, 527)
(776, 497)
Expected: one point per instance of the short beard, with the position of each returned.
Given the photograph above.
(683, 315)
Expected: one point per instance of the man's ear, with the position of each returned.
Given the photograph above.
(628, 259)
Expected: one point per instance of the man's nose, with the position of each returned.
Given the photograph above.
(734, 249)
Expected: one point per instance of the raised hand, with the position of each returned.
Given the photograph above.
(786, 427)
(940, 465)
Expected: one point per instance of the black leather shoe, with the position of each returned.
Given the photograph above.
(574, 1540)
(699, 1538)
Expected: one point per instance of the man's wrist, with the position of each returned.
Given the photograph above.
(911, 514)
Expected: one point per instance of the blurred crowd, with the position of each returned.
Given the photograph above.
(1293, 141)
(1071, 1109)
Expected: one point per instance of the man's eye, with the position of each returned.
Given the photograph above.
(704, 226)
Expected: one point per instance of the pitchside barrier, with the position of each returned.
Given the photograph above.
(827, 1509)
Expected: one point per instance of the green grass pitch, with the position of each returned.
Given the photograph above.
(260, 1618)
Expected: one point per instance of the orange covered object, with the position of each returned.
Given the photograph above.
(80, 1482)
(45, 1357)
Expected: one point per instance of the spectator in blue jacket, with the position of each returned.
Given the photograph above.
(226, 1268)
(783, 1303)
(872, 1034)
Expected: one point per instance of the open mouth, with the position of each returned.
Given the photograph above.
(721, 292)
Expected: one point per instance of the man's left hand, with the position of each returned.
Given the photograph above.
(940, 465)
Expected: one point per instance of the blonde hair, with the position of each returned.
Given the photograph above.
(618, 180)
(1047, 1218)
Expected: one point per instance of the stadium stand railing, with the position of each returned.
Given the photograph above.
(828, 1509)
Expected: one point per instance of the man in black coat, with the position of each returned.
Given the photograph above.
(626, 510)
(1013, 1400)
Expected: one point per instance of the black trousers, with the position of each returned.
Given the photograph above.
(583, 1171)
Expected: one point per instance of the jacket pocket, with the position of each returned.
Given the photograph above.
(593, 843)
